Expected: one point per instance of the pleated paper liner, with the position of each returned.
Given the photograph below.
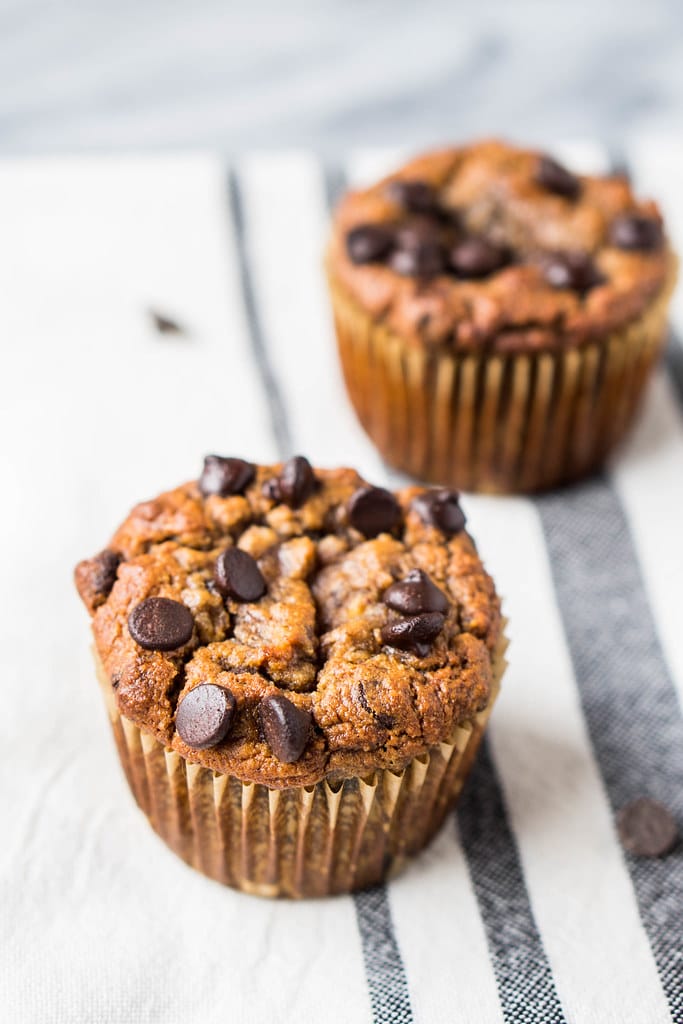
(303, 841)
(496, 422)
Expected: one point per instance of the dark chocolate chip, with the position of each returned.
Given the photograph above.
(574, 270)
(369, 243)
(415, 196)
(296, 482)
(557, 178)
(646, 828)
(475, 257)
(441, 508)
(415, 594)
(224, 476)
(285, 727)
(424, 258)
(373, 510)
(413, 633)
(164, 324)
(238, 576)
(105, 566)
(204, 715)
(160, 624)
(633, 231)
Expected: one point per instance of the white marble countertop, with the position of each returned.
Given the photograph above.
(331, 75)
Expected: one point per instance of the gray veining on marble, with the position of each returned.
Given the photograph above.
(121, 74)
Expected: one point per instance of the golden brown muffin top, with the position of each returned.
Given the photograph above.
(283, 624)
(494, 245)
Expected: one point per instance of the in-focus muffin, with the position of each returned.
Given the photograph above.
(298, 669)
(497, 315)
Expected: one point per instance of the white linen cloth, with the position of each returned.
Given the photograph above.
(525, 908)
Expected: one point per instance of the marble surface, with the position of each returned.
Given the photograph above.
(332, 74)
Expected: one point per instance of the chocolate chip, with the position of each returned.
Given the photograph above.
(164, 324)
(475, 257)
(238, 576)
(105, 566)
(373, 510)
(415, 196)
(425, 258)
(633, 231)
(646, 828)
(224, 476)
(285, 727)
(296, 482)
(160, 624)
(204, 715)
(415, 594)
(557, 178)
(440, 508)
(574, 270)
(369, 243)
(413, 633)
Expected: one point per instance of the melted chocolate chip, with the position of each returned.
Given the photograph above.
(204, 716)
(415, 594)
(105, 566)
(369, 243)
(238, 576)
(285, 727)
(646, 828)
(633, 231)
(414, 633)
(160, 624)
(373, 510)
(475, 257)
(441, 508)
(415, 196)
(296, 482)
(574, 270)
(224, 476)
(556, 178)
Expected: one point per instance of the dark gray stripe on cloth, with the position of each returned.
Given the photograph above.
(526, 988)
(629, 701)
(276, 403)
(384, 969)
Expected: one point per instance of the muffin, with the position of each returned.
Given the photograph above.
(497, 315)
(298, 668)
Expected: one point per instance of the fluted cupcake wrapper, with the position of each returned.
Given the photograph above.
(497, 422)
(302, 841)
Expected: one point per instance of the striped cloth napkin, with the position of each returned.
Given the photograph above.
(525, 908)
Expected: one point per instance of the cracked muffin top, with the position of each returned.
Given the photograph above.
(283, 624)
(493, 245)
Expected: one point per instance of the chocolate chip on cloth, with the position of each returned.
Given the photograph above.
(647, 829)
(327, 634)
